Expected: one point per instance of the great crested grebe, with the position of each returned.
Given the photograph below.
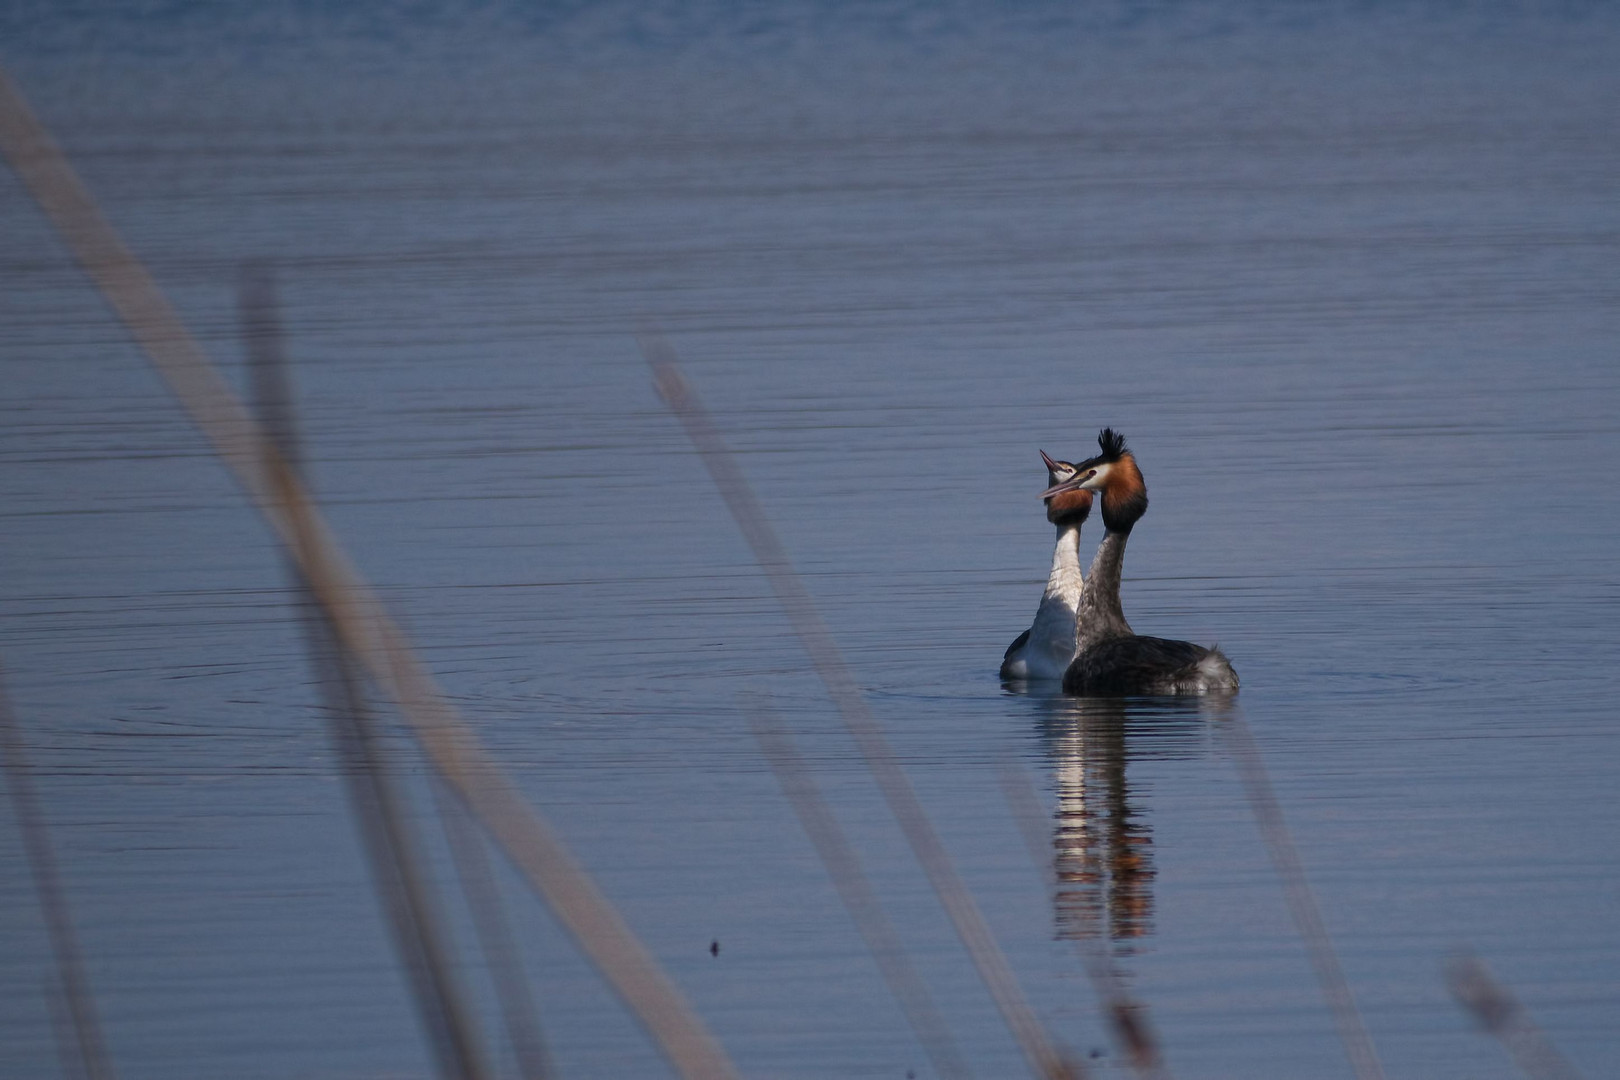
(1045, 649)
(1110, 658)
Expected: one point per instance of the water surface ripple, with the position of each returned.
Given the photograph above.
(1347, 279)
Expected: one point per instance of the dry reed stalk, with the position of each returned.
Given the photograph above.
(87, 1049)
(844, 867)
(357, 614)
(825, 656)
(1501, 1014)
(1358, 1045)
(69, 1055)
(393, 850)
(1127, 1019)
(495, 940)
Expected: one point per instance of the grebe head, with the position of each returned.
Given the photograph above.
(1114, 473)
(1070, 507)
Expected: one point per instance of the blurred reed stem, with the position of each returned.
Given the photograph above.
(495, 940)
(854, 889)
(1279, 841)
(356, 613)
(1500, 1013)
(86, 1052)
(1043, 1057)
(382, 816)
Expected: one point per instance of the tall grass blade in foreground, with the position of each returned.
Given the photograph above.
(381, 814)
(356, 612)
(495, 939)
(844, 867)
(72, 985)
(1501, 1014)
(1358, 1045)
(1127, 1019)
(1043, 1057)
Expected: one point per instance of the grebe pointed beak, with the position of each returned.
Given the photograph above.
(1078, 481)
(1067, 485)
(1051, 466)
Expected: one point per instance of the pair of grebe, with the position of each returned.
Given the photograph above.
(1080, 634)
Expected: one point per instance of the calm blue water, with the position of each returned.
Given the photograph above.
(1346, 275)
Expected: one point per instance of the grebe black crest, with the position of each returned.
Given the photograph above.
(1114, 474)
(1110, 658)
(1043, 651)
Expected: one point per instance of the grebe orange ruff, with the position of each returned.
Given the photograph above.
(1044, 650)
(1112, 660)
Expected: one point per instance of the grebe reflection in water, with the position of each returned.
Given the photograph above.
(1102, 841)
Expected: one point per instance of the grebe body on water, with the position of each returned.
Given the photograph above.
(1044, 650)
(1111, 659)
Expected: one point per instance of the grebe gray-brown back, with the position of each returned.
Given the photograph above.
(1111, 659)
(1045, 649)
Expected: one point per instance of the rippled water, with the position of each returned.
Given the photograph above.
(1347, 278)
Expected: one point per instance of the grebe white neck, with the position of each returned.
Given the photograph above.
(1046, 652)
